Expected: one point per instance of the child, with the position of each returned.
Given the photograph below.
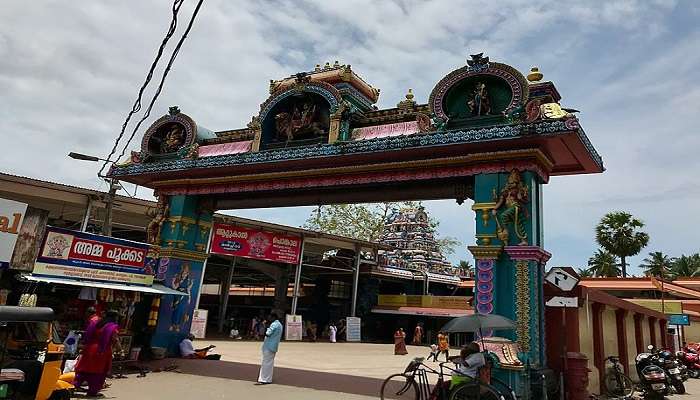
(433, 352)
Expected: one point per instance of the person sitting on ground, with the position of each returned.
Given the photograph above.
(468, 364)
(187, 350)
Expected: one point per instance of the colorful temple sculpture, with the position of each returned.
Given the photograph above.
(409, 232)
(487, 133)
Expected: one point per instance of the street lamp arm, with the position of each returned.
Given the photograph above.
(84, 157)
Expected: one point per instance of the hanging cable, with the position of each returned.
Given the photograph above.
(173, 56)
(137, 103)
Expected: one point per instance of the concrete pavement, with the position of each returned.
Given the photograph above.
(352, 371)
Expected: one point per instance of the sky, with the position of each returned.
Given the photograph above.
(70, 71)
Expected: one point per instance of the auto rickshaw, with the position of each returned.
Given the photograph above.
(32, 355)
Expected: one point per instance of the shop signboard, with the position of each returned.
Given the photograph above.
(679, 319)
(11, 216)
(199, 323)
(233, 240)
(293, 328)
(80, 255)
(353, 329)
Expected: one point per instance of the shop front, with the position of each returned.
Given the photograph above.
(76, 272)
(432, 312)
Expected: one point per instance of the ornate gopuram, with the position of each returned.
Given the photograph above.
(487, 133)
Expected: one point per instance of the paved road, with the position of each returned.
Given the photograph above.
(310, 371)
(170, 385)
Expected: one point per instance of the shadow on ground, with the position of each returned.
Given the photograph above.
(283, 376)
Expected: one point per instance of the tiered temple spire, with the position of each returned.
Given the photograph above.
(409, 231)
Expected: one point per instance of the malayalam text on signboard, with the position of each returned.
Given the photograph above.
(242, 242)
(81, 255)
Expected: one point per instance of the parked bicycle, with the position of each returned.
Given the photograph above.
(413, 384)
(617, 384)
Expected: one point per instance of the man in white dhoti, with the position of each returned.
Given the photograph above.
(332, 332)
(273, 335)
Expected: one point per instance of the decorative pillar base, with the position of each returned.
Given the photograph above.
(529, 274)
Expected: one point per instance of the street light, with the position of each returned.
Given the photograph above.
(84, 157)
(111, 193)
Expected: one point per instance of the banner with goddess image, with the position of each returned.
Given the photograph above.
(248, 243)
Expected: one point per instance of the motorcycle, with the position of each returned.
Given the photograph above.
(691, 361)
(653, 381)
(665, 359)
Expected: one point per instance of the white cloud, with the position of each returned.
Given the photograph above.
(69, 73)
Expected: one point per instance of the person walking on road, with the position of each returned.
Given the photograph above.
(418, 334)
(400, 342)
(444, 345)
(332, 332)
(273, 335)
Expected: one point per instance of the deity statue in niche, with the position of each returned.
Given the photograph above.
(479, 103)
(173, 139)
(301, 120)
(511, 205)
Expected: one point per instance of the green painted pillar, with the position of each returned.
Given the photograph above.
(184, 237)
(509, 256)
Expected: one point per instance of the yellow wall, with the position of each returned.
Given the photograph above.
(585, 324)
(610, 332)
(692, 332)
(631, 345)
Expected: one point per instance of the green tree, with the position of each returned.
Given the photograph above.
(467, 267)
(686, 266)
(604, 264)
(585, 272)
(657, 264)
(620, 234)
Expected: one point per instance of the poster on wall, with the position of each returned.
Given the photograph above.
(199, 323)
(293, 328)
(11, 217)
(80, 255)
(249, 243)
(176, 312)
(353, 329)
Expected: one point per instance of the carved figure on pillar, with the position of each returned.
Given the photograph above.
(158, 217)
(511, 205)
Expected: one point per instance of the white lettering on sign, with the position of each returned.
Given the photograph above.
(285, 241)
(88, 249)
(231, 233)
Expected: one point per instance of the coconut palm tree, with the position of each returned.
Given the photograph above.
(657, 264)
(619, 233)
(686, 266)
(585, 272)
(604, 264)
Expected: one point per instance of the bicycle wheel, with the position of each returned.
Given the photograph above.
(399, 386)
(474, 392)
(618, 384)
(505, 390)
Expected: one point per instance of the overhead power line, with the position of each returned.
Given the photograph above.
(137, 104)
